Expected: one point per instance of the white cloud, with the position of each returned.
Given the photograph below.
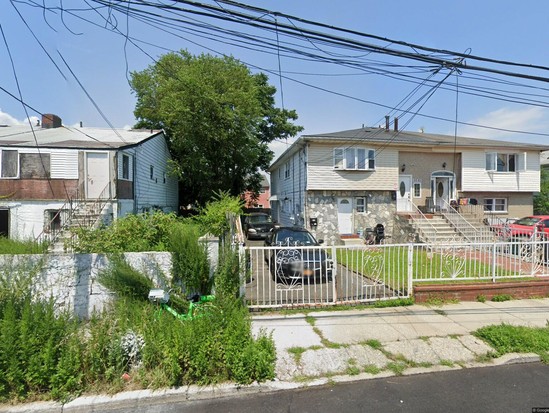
(7, 119)
(531, 119)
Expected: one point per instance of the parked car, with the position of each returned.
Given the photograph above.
(257, 225)
(298, 257)
(524, 227)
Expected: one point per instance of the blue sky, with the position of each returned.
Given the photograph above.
(100, 59)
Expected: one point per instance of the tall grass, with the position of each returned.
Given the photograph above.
(12, 247)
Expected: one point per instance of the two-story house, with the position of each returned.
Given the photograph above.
(49, 171)
(343, 182)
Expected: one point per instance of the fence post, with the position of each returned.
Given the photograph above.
(335, 277)
(494, 261)
(243, 268)
(410, 269)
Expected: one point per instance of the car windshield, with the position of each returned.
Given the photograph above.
(260, 219)
(291, 237)
(528, 221)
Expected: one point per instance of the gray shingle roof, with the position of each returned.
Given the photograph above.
(381, 136)
(74, 138)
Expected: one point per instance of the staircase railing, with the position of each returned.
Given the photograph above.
(51, 234)
(428, 231)
(464, 227)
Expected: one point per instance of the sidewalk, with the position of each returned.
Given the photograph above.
(382, 341)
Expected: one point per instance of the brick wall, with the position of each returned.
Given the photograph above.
(471, 292)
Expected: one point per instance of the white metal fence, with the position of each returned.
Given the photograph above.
(322, 276)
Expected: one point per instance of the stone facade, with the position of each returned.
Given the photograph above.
(322, 205)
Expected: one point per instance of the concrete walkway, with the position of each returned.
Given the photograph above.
(374, 342)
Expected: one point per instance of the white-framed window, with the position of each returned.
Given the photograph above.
(360, 204)
(416, 190)
(495, 204)
(505, 162)
(9, 164)
(355, 158)
(287, 169)
(125, 166)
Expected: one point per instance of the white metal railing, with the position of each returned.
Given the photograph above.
(421, 223)
(366, 273)
(464, 227)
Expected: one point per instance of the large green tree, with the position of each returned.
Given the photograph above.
(219, 119)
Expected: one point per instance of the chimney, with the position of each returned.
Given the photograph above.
(50, 121)
(396, 124)
(387, 123)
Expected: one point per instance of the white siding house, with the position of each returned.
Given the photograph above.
(50, 171)
(343, 183)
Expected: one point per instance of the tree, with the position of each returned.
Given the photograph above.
(219, 119)
(541, 200)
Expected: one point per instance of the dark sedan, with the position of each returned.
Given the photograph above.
(298, 257)
(257, 225)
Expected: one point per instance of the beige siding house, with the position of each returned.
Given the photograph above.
(342, 183)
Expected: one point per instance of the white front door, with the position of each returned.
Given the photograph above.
(442, 191)
(345, 215)
(97, 175)
(404, 202)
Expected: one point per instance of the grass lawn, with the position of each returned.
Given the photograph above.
(389, 265)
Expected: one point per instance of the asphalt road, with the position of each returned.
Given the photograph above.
(510, 388)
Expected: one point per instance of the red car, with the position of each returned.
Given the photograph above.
(525, 227)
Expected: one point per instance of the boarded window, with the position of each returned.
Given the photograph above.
(34, 165)
(9, 164)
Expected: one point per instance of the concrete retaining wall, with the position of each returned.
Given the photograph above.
(71, 279)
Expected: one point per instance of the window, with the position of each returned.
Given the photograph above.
(504, 162)
(495, 204)
(9, 164)
(361, 159)
(125, 167)
(361, 204)
(287, 170)
(152, 172)
(417, 190)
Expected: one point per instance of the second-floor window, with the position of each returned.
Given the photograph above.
(505, 162)
(9, 164)
(362, 159)
(287, 170)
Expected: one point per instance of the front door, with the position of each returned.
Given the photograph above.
(345, 215)
(404, 201)
(442, 198)
(97, 175)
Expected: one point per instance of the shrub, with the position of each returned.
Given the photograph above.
(213, 217)
(120, 278)
(141, 232)
(191, 268)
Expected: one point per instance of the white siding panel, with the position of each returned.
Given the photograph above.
(154, 192)
(64, 164)
(476, 178)
(323, 176)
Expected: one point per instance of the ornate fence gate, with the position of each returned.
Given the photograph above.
(287, 276)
